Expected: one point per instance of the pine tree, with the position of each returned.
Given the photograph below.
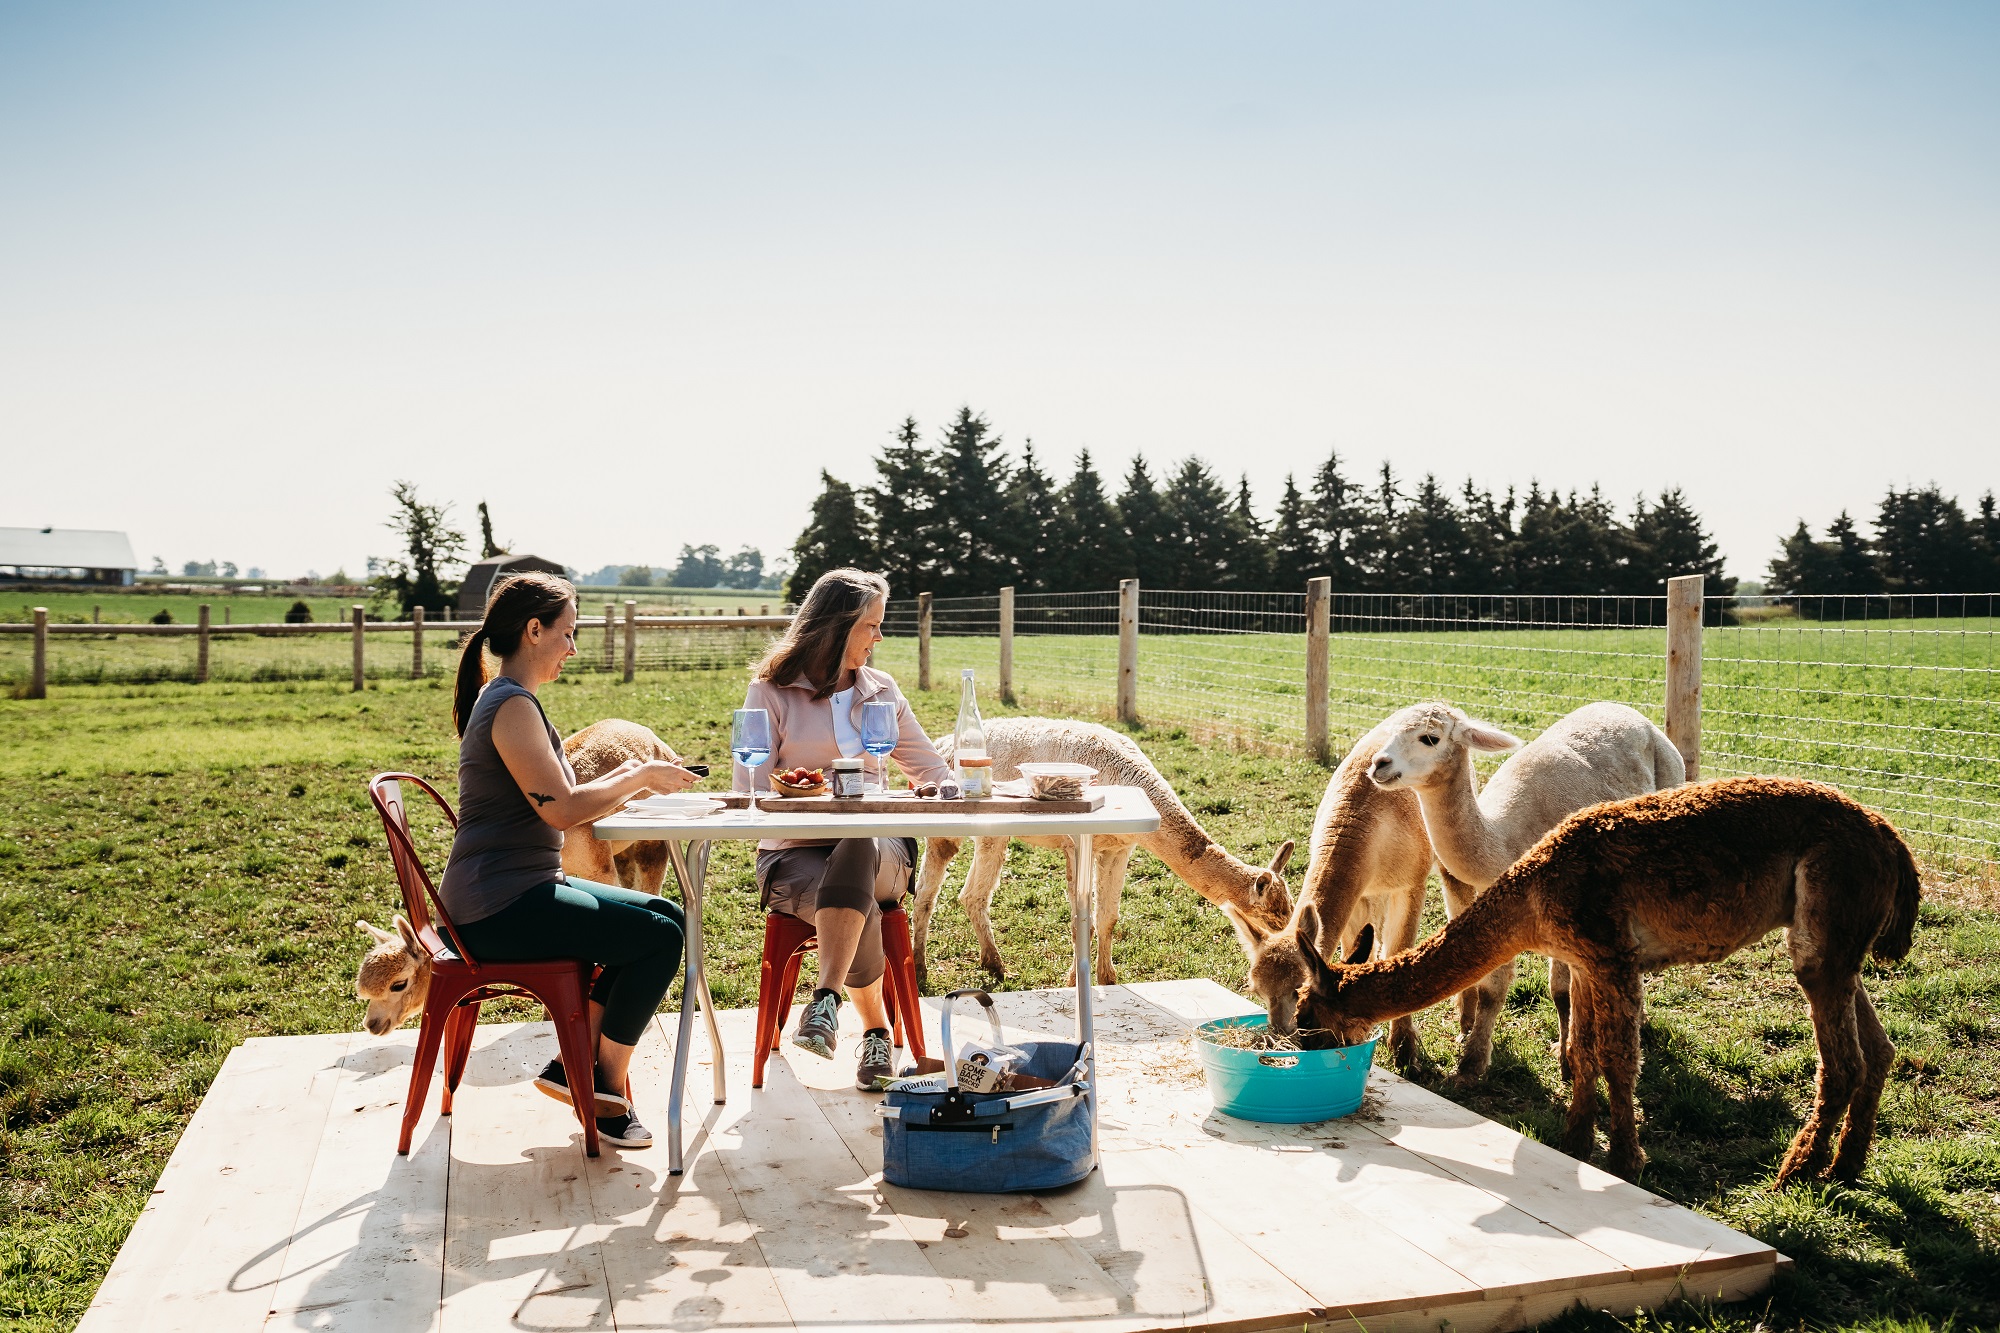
(1669, 541)
(1030, 527)
(1336, 522)
(1249, 563)
(1203, 542)
(970, 482)
(1854, 569)
(904, 514)
(1802, 566)
(1489, 540)
(1373, 547)
(1432, 543)
(1924, 543)
(1295, 549)
(1148, 529)
(836, 537)
(1097, 554)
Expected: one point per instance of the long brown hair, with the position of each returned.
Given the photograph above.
(523, 597)
(812, 648)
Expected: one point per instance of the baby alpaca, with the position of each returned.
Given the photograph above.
(395, 976)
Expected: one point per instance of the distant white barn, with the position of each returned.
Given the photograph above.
(66, 555)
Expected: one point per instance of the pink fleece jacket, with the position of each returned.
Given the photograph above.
(802, 735)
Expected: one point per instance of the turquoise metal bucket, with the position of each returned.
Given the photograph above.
(1282, 1087)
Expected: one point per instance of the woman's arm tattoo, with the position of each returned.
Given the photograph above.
(540, 799)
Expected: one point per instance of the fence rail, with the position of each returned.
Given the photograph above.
(1896, 699)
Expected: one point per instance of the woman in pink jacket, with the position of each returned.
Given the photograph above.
(813, 682)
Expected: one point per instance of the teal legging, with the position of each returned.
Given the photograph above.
(635, 937)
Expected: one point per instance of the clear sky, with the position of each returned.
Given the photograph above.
(635, 272)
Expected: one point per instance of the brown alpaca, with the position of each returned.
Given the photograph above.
(1370, 859)
(593, 752)
(1687, 875)
(395, 976)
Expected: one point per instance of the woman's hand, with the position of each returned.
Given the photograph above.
(664, 777)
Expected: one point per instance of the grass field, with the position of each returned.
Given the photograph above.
(181, 867)
(136, 605)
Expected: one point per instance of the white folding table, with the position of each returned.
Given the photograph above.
(1125, 810)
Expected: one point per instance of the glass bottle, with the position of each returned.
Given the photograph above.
(975, 765)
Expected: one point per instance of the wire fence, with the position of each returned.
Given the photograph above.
(1894, 699)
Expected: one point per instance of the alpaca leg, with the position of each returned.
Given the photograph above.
(1877, 1053)
(1457, 897)
(1559, 992)
(1840, 1072)
(1475, 1053)
(938, 856)
(1580, 1130)
(989, 857)
(1620, 1004)
(1402, 916)
(1111, 863)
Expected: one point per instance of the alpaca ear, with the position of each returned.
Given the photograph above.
(1485, 736)
(1323, 977)
(1282, 857)
(411, 940)
(1253, 934)
(1364, 946)
(376, 933)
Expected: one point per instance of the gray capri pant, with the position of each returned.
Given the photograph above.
(865, 874)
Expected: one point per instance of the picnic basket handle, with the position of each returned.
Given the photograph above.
(992, 1016)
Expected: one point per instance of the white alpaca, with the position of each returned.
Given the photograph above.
(1370, 860)
(1180, 841)
(1600, 752)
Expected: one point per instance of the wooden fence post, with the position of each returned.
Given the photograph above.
(1007, 645)
(1128, 650)
(38, 683)
(360, 632)
(631, 638)
(417, 643)
(610, 634)
(1319, 597)
(201, 646)
(923, 641)
(1684, 669)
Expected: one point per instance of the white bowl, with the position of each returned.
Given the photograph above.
(681, 805)
(1082, 771)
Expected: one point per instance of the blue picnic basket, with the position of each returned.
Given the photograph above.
(936, 1136)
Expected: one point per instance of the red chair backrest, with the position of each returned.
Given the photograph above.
(421, 903)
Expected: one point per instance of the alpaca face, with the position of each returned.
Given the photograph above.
(1428, 744)
(1272, 893)
(1321, 1012)
(395, 976)
(1276, 969)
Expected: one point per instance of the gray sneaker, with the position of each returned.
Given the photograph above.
(878, 1061)
(819, 1025)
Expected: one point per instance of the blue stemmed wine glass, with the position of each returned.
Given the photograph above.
(750, 742)
(878, 737)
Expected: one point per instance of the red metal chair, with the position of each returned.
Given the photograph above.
(460, 983)
(786, 940)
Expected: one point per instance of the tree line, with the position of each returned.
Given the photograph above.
(701, 566)
(960, 517)
(1924, 542)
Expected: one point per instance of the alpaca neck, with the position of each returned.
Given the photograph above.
(1496, 927)
(1467, 843)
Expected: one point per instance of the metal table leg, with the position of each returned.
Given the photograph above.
(690, 862)
(1083, 910)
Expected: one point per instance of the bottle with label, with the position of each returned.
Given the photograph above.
(975, 765)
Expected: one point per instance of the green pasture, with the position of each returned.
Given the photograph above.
(137, 605)
(181, 867)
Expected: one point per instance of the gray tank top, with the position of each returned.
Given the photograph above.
(502, 848)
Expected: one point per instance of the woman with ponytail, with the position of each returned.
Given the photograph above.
(504, 886)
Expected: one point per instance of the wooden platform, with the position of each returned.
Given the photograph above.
(285, 1207)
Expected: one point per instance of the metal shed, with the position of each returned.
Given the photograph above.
(482, 575)
(66, 555)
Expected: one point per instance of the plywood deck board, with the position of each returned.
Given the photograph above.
(210, 1245)
(368, 1249)
(1424, 1216)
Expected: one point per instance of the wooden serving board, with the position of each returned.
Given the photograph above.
(1089, 803)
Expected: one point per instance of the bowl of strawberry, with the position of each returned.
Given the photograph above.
(799, 782)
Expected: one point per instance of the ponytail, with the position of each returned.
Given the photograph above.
(522, 598)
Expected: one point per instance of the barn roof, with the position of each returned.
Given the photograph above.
(66, 548)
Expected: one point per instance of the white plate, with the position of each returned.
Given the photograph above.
(681, 806)
(1084, 771)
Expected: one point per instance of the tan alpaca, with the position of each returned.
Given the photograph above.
(593, 752)
(1370, 859)
(395, 976)
(1600, 752)
(1180, 841)
(1688, 875)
